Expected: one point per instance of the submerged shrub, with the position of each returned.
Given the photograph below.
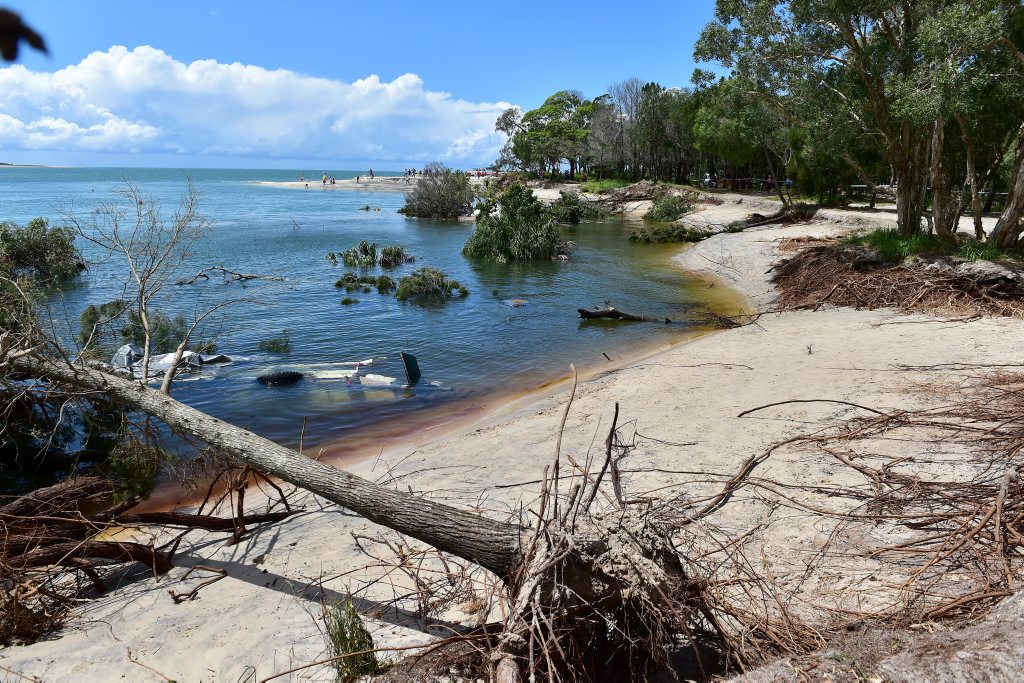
(165, 333)
(395, 255)
(429, 284)
(363, 255)
(440, 193)
(384, 284)
(348, 301)
(513, 227)
(281, 344)
(570, 208)
(346, 635)
(667, 208)
(668, 232)
(39, 252)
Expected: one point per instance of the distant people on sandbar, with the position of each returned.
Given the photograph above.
(358, 177)
(324, 180)
(371, 174)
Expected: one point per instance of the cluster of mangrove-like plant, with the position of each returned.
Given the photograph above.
(366, 255)
(426, 285)
(352, 282)
(429, 285)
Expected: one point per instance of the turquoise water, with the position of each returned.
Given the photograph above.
(468, 348)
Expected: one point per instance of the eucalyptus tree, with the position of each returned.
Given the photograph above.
(627, 95)
(857, 57)
(1009, 39)
(554, 132)
(735, 122)
(899, 74)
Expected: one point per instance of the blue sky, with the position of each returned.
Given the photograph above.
(260, 84)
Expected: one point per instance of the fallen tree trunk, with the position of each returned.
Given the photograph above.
(66, 553)
(491, 544)
(613, 313)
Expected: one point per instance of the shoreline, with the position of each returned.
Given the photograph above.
(682, 405)
(433, 425)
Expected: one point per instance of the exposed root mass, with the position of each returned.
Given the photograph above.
(846, 275)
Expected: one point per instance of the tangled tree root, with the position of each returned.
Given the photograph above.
(846, 275)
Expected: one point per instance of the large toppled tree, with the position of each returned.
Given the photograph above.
(587, 593)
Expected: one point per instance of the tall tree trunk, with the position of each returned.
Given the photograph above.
(486, 542)
(1007, 229)
(941, 218)
(972, 176)
(775, 177)
(908, 162)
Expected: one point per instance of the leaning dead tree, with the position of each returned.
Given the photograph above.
(588, 591)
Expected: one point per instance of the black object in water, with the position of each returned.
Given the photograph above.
(280, 379)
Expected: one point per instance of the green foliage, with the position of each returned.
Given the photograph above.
(514, 227)
(602, 186)
(428, 285)
(38, 252)
(346, 635)
(135, 468)
(384, 284)
(279, 344)
(95, 320)
(165, 333)
(351, 282)
(348, 301)
(395, 255)
(555, 131)
(367, 255)
(440, 193)
(668, 232)
(668, 208)
(570, 209)
(894, 247)
(363, 255)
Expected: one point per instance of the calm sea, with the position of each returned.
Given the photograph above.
(468, 349)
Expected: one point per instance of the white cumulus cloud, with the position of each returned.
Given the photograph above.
(144, 101)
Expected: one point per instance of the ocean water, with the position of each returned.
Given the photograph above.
(468, 349)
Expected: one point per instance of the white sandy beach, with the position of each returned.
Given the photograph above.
(262, 618)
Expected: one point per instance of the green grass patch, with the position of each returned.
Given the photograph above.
(346, 636)
(599, 186)
(892, 247)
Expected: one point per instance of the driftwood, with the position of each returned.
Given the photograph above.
(612, 313)
(227, 273)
